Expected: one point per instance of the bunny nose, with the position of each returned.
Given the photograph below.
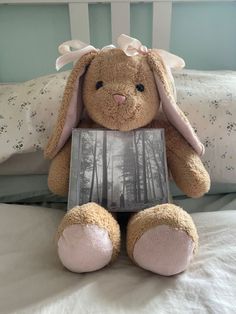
(120, 99)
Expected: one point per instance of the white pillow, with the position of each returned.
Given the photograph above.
(28, 113)
(208, 99)
(24, 164)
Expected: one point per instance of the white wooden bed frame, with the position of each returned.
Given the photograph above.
(120, 17)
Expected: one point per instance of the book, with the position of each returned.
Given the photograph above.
(121, 171)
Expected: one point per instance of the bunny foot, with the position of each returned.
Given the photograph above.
(88, 238)
(162, 239)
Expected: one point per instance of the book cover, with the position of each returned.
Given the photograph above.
(122, 171)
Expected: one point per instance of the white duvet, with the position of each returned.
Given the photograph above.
(33, 281)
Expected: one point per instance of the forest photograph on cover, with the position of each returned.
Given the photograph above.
(122, 171)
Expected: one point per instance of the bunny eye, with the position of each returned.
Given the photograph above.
(99, 84)
(140, 87)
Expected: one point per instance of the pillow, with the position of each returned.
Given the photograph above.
(208, 99)
(24, 164)
(28, 113)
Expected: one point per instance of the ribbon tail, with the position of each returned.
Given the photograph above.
(73, 56)
(62, 61)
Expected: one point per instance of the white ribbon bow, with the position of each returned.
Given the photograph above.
(129, 45)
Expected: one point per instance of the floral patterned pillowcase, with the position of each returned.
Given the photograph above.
(28, 113)
(208, 99)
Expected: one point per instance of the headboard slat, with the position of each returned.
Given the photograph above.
(161, 28)
(120, 19)
(79, 21)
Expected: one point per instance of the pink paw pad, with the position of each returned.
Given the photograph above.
(84, 248)
(164, 250)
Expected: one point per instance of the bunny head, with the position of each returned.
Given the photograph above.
(121, 89)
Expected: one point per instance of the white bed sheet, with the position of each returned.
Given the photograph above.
(33, 281)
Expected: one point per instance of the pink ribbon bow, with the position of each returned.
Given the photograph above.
(129, 45)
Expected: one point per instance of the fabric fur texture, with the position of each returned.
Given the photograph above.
(92, 98)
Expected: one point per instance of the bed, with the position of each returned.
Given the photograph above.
(32, 279)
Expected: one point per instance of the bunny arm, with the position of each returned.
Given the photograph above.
(58, 176)
(59, 172)
(185, 165)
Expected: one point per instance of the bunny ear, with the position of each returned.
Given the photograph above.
(176, 117)
(170, 60)
(71, 108)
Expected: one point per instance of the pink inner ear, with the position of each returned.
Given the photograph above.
(171, 111)
(73, 114)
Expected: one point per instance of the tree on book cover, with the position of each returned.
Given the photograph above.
(121, 171)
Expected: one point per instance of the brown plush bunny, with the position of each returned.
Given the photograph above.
(124, 89)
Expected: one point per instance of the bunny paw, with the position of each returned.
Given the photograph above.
(164, 250)
(88, 238)
(162, 239)
(84, 248)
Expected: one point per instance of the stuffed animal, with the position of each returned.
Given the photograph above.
(124, 89)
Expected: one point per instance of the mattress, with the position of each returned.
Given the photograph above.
(32, 280)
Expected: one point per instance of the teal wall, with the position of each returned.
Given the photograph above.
(141, 22)
(100, 24)
(29, 37)
(202, 33)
